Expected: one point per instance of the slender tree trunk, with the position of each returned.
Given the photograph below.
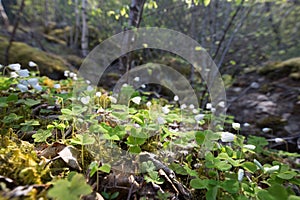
(85, 31)
(46, 14)
(16, 24)
(77, 24)
(4, 16)
(135, 17)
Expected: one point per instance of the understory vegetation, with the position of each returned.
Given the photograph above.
(61, 145)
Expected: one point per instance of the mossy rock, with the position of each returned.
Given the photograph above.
(74, 60)
(288, 68)
(276, 122)
(49, 64)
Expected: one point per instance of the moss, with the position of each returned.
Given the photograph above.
(277, 123)
(74, 60)
(286, 68)
(49, 64)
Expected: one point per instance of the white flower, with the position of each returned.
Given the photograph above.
(240, 175)
(125, 85)
(23, 72)
(66, 73)
(13, 75)
(32, 64)
(15, 66)
(1, 66)
(113, 99)
(195, 111)
(165, 110)
(208, 106)
(191, 106)
(98, 94)
(33, 81)
(183, 106)
(265, 130)
(176, 98)
(258, 164)
(37, 87)
(85, 100)
(249, 146)
(22, 87)
(56, 86)
(199, 117)
(88, 82)
(227, 137)
(160, 120)
(271, 169)
(213, 110)
(221, 104)
(72, 74)
(89, 88)
(148, 104)
(137, 79)
(143, 86)
(136, 100)
(236, 126)
(279, 140)
(75, 78)
(246, 124)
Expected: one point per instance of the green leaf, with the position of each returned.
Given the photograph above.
(287, 175)
(105, 168)
(211, 193)
(41, 135)
(231, 186)
(264, 195)
(199, 183)
(223, 166)
(84, 139)
(206, 2)
(200, 137)
(135, 149)
(249, 166)
(31, 102)
(135, 141)
(12, 117)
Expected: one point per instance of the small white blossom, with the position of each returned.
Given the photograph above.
(13, 75)
(213, 110)
(32, 64)
(22, 87)
(113, 99)
(23, 72)
(56, 86)
(1, 66)
(165, 110)
(37, 87)
(75, 78)
(136, 79)
(258, 164)
(246, 124)
(236, 126)
(271, 169)
(240, 175)
(279, 140)
(176, 98)
(249, 146)
(72, 74)
(183, 106)
(33, 81)
(191, 106)
(98, 94)
(265, 130)
(136, 100)
(89, 88)
(66, 73)
(88, 82)
(195, 111)
(148, 104)
(208, 106)
(227, 137)
(160, 120)
(15, 67)
(143, 86)
(85, 100)
(199, 117)
(221, 104)
(125, 85)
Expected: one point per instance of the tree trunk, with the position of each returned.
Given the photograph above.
(77, 24)
(16, 24)
(85, 32)
(4, 16)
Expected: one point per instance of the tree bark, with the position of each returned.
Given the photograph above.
(16, 24)
(4, 16)
(85, 31)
